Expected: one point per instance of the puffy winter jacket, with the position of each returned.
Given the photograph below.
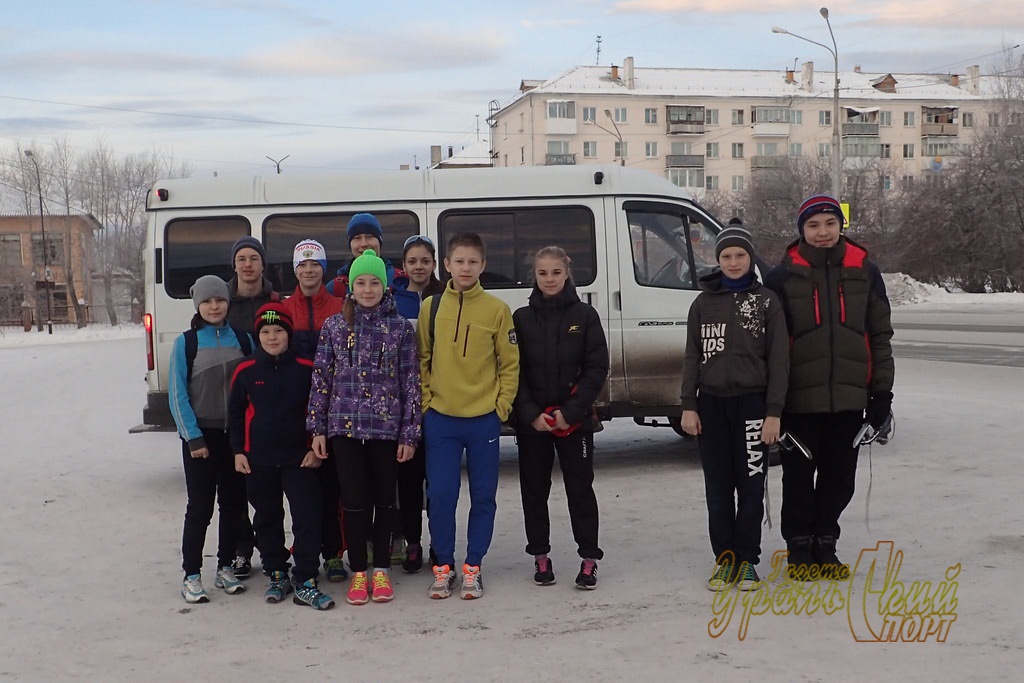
(840, 331)
(563, 358)
(308, 314)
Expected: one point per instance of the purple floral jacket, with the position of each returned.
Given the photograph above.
(366, 377)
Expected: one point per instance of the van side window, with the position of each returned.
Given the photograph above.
(199, 246)
(513, 236)
(671, 248)
(281, 232)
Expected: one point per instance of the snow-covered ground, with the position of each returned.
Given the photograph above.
(91, 526)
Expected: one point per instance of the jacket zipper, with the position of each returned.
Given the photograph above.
(817, 308)
(842, 305)
(458, 319)
(831, 336)
(465, 342)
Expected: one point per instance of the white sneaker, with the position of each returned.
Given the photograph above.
(472, 583)
(227, 580)
(192, 590)
(444, 582)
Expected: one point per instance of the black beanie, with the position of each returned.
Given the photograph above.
(734, 236)
(248, 242)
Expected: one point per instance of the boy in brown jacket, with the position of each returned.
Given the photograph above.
(735, 375)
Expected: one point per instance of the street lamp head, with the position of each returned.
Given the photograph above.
(779, 29)
(608, 113)
(824, 12)
(29, 153)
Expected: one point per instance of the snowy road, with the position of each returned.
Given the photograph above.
(91, 522)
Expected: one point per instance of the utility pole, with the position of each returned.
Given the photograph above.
(598, 61)
(47, 273)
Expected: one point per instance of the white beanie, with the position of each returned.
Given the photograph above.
(309, 250)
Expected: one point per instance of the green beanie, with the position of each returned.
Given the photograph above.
(367, 263)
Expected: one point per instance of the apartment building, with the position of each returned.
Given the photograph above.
(716, 129)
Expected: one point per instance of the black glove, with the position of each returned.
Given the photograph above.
(879, 406)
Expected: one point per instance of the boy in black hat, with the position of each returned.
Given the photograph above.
(734, 384)
(267, 412)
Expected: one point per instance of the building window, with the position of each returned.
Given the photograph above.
(797, 118)
(737, 183)
(712, 150)
(620, 115)
(1016, 118)
(907, 182)
(561, 109)
(558, 147)
(686, 177)
(737, 117)
(589, 114)
(711, 117)
(908, 119)
(771, 115)
(908, 151)
(737, 150)
(651, 150)
(824, 149)
(650, 115)
(54, 249)
(589, 149)
(993, 119)
(522, 122)
(886, 182)
(504, 130)
(10, 250)
(796, 149)
(682, 148)
(885, 150)
(885, 118)
(522, 155)
(825, 117)
(939, 147)
(767, 149)
(621, 150)
(711, 182)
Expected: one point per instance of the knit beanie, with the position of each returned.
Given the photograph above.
(309, 250)
(734, 236)
(819, 203)
(364, 224)
(209, 287)
(368, 263)
(273, 313)
(248, 242)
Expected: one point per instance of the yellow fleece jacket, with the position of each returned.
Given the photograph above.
(472, 368)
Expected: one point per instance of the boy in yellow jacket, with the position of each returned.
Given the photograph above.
(469, 369)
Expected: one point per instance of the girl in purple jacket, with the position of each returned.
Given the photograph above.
(365, 398)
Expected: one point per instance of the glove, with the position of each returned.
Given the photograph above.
(879, 406)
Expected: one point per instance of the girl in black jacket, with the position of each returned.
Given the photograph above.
(563, 364)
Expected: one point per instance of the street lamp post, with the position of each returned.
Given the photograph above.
(618, 134)
(837, 160)
(46, 249)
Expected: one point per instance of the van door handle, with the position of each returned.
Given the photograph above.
(590, 298)
(617, 299)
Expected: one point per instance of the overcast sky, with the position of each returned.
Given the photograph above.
(371, 85)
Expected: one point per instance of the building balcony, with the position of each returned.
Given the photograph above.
(929, 129)
(685, 128)
(860, 129)
(559, 159)
(769, 162)
(773, 129)
(684, 161)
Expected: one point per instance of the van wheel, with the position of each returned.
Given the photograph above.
(678, 428)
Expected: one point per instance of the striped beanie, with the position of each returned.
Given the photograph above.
(819, 203)
(734, 236)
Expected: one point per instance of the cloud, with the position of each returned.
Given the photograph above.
(535, 25)
(709, 6)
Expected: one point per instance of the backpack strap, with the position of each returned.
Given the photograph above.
(435, 303)
(244, 342)
(191, 348)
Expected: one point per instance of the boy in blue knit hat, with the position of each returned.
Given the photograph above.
(363, 232)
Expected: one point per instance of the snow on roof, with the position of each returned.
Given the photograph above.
(12, 203)
(732, 83)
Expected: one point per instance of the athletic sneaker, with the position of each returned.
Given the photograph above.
(587, 578)
(823, 550)
(241, 566)
(801, 564)
(357, 590)
(335, 570)
(307, 593)
(472, 583)
(278, 587)
(444, 582)
(747, 578)
(382, 590)
(722, 578)
(398, 550)
(227, 580)
(545, 574)
(413, 558)
(192, 590)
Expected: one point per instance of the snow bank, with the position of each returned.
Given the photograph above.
(904, 290)
(16, 336)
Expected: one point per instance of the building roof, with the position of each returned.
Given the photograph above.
(13, 203)
(733, 83)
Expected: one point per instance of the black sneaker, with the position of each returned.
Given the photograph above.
(587, 578)
(801, 563)
(241, 566)
(413, 559)
(545, 574)
(824, 552)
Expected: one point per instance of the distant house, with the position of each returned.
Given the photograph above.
(23, 273)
